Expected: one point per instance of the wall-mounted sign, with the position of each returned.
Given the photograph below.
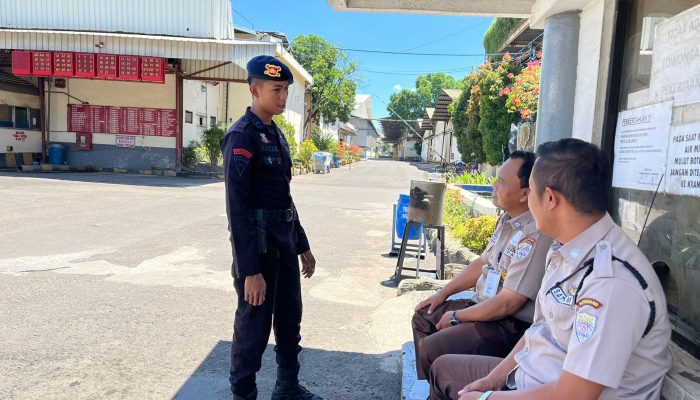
(87, 65)
(683, 165)
(125, 141)
(641, 143)
(675, 70)
(122, 120)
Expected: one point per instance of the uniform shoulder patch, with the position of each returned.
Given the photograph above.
(584, 326)
(589, 302)
(243, 152)
(525, 247)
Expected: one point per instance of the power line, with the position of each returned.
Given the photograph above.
(447, 36)
(243, 16)
(403, 53)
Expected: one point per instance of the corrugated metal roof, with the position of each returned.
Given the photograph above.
(196, 54)
(446, 98)
(186, 18)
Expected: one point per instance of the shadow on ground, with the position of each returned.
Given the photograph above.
(334, 375)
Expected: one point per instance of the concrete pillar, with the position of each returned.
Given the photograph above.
(555, 111)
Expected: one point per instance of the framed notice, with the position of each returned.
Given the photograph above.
(79, 118)
(106, 66)
(641, 143)
(21, 62)
(153, 69)
(42, 63)
(63, 64)
(683, 165)
(125, 141)
(84, 65)
(129, 68)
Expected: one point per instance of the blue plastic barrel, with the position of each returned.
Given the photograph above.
(402, 217)
(57, 153)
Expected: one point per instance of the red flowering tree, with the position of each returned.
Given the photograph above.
(522, 96)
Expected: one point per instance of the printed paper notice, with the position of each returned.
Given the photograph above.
(683, 170)
(641, 142)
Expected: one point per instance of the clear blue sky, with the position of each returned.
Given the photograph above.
(389, 32)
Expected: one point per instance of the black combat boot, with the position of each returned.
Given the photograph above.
(251, 396)
(287, 387)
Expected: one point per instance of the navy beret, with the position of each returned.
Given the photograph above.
(269, 68)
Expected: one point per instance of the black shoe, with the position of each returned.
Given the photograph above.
(252, 396)
(292, 392)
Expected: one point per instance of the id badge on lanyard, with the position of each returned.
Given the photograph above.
(493, 279)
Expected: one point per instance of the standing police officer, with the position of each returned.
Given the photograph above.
(266, 237)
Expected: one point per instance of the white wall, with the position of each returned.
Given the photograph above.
(205, 104)
(109, 93)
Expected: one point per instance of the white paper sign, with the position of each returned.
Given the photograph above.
(675, 70)
(641, 141)
(125, 141)
(683, 168)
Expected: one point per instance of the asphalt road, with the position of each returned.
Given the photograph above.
(118, 286)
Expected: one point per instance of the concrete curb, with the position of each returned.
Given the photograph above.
(82, 168)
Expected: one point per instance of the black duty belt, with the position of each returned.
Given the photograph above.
(276, 215)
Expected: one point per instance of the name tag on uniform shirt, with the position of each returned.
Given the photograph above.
(516, 238)
(508, 253)
(493, 278)
(561, 297)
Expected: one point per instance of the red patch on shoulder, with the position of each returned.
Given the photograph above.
(243, 152)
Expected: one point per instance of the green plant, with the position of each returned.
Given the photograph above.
(455, 212)
(475, 232)
(522, 96)
(306, 149)
(498, 33)
(211, 142)
(289, 133)
(494, 118)
(190, 158)
(324, 142)
(472, 178)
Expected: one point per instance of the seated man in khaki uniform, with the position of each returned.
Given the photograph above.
(601, 329)
(507, 277)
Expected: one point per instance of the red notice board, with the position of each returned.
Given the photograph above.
(79, 118)
(63, 64)
(21, 62)
(84, 65)
(153, 69)
(42, 63)
(129, 68)
(106, 66)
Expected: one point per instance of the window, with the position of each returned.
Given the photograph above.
(6, 116)
(34, 117)
(21, 118)
(671, 236)
(212, 121)
(201, 120)
(188, 117)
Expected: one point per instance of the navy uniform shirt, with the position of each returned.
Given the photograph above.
(258, 172)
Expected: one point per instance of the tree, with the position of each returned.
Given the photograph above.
(211, 141)
(289, 133)
(465, 114)
(494, 118)
(333, 91)
(405, 104)
(430, 86)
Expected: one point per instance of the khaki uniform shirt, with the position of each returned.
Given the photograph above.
(597, 334)
(517, 252)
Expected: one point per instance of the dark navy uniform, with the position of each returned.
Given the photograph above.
(266, 238)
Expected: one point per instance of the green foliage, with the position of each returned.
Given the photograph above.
(306, 149)
(211, 142)
(430, 86)
(333, 91)
(494, 118)
(472, 178)
(464, 113)
(406, 104)
(475, 232)
(498, 33)
(472, 232)
(324, 142)
(190, 158)
(289, 133)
